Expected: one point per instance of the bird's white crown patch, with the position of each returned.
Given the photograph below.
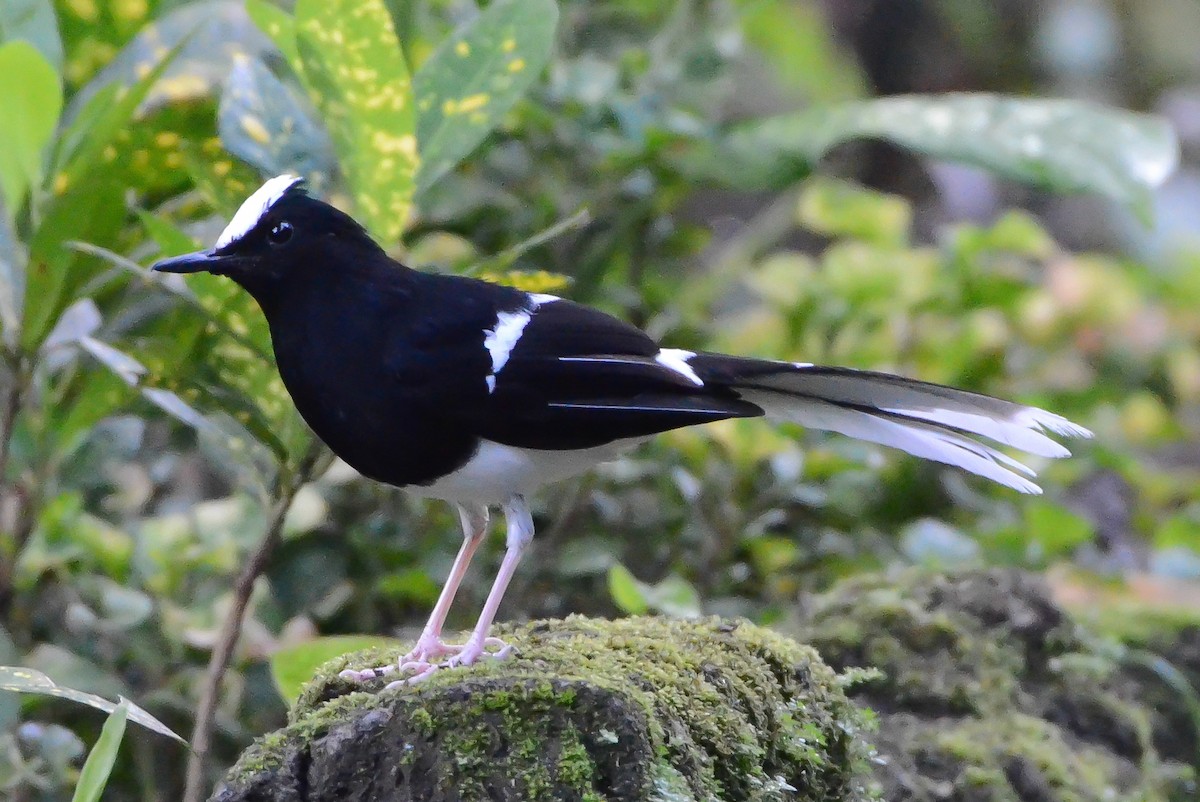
(254, 207)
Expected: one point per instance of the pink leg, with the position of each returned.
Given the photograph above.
(520, 533)
(430, 645)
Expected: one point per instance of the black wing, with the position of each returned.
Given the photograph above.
(579, 378)
(575, 378)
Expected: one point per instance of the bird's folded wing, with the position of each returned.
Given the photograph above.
(578, 378)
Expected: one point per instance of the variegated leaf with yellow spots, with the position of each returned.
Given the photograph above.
(356, 73)
(475, 77)
(272, 126)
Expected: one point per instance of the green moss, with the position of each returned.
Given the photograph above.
(643, 708)
(989, 691)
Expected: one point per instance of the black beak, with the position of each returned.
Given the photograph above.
(197, 262)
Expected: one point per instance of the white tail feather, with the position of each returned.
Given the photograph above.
(1003, 421)
(916, 438)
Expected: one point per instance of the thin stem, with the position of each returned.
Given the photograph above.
(231, 630)
(8, 419)
(9, 552)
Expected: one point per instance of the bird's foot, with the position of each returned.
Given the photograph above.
(419, 664)
(473, 649)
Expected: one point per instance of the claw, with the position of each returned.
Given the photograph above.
(419, 664)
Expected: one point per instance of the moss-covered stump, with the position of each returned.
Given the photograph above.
(638, 709)
(990, 693)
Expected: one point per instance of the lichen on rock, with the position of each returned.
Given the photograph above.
(636, 709)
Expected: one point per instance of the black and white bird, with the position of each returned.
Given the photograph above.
(479, 394)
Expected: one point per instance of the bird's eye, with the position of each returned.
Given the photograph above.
(280, 233)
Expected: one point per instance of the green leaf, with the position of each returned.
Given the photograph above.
(264, 122)
(355, 70)
(34, 22)
(99, 764)
(1055, 531)
(171, 240)
(799, 42)
(841, 209)
(293, 666)
(279, 27)
(627, 592)
(31, 97)
(27, 680)
(474, 78)
(1062, 145)
(86, 203)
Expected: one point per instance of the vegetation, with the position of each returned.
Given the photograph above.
(168, 526)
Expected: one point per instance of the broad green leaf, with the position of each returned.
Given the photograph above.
(293, 666)
(33, 21)
(31, 97)
(27, 680)
(475, 77)
(86, 204)
(93, 777)
(627, 592)
(355, 70)
(12, 281)
(264, 122)
(279, 26)
(1062, 145)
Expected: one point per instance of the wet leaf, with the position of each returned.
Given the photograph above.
(1062, 145)
(93, 777)
(27, 680)
(293, 666)
(356, 72)
(31, 97)
(34, 22)
(474, 78)
(266, 123)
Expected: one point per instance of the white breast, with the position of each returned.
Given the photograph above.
(498, 472)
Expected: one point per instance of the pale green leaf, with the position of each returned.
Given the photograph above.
(34, 22)
(627, 592)
(293, 666)
(1062, 145)
(279, 27)
(356, 72)
(475, 77)
(99, 764)
(266, 123)
(31, 97)
(27, 680)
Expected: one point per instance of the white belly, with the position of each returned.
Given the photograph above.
(497, 472)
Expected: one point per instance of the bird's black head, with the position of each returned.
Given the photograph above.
(280, 234)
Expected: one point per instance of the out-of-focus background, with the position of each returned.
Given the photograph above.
(715, 172)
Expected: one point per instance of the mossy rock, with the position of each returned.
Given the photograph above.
(637, 709)
(990, 692)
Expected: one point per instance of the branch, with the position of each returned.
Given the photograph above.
(231, 629)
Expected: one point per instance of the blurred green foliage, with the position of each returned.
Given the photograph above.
(592, 149)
